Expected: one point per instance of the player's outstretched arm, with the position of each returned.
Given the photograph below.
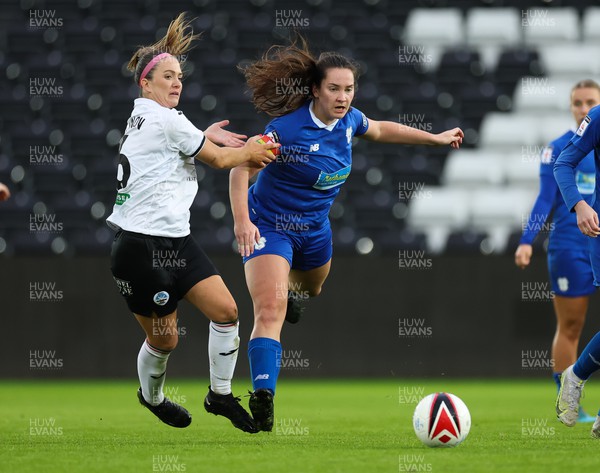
(390, 132)
(253, 153)
(246, 233)
(217, 134)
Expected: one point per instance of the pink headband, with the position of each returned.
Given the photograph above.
(151, 64)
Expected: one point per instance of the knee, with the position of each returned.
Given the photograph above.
(572, 328)
(227, 313)
(270, 312)
(314, 291)
(164, 342)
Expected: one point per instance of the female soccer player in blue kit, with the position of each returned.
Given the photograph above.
(568, 255)
(281, 223)
(585, 140)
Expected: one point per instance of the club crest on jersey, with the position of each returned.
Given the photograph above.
(161, 298)
(332, 179)
(443, 421)
(584, 124)
(547, 155)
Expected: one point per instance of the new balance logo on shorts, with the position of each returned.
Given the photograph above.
(314, 147)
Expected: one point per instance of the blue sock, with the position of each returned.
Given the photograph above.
(556, 376)
(589, 360)
(265, 358)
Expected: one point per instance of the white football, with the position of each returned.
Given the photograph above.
(441, 420)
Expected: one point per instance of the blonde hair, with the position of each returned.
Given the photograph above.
(586, 84)
(177, 41)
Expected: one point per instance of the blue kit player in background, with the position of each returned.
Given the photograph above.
(568, 253)
(281, 223)
(586, 140)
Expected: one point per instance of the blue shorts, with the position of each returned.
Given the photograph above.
(571, 273)
(302, 251)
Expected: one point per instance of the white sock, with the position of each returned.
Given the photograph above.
(223, 345)
(152, 368)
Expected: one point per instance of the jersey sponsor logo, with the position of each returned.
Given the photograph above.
(586, 182)
(365, 121)
(349, 134)
(314, 147)
(124, 287)
(547, 155)
(262, 242)
(333, 179)
(161, 298)
(261, 376)
(563, 284)
(121, 198)
(584, 124)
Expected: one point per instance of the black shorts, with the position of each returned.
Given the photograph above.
(154, 273)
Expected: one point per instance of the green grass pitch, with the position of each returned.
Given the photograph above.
(321, 426)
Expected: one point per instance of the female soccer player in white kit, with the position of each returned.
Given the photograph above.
(155, 261)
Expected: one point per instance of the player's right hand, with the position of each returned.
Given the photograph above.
(523, 255)
(258, 153)
(587, 219)
(246, 235)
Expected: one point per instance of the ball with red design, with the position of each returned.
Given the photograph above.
(441, 420)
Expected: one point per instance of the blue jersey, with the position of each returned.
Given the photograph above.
(564, 232)
(295, 192)
(585, 140)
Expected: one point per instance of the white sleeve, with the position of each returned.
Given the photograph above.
(182, 135)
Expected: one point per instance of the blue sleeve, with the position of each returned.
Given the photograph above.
(360, 120)
(543, 204)
(564, 173)
(585, 139)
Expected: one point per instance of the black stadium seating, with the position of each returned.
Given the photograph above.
(86, 57)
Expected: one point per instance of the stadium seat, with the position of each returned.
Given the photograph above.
(498, 212)
(427, 32)
(542, 94)
(559, 60)
(436, 211)
(491, 29)
(435, 27)
(589, 27)
(555, 125)
(542, 26)
(522, 168)
(502, 130)
(473, 168)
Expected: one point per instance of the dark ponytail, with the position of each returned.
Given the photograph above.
(290, 65)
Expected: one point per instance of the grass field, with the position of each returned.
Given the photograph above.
(321, 426)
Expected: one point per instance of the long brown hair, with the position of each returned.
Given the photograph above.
(295, 64)
(177, 41)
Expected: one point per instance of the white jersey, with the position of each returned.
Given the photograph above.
(156, 175)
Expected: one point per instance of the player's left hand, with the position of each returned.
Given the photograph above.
(452, 137)
(218, 135)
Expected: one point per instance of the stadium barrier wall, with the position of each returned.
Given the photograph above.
(382, 316)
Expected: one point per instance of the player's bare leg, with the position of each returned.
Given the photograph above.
(304, 284)
(269, 295)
